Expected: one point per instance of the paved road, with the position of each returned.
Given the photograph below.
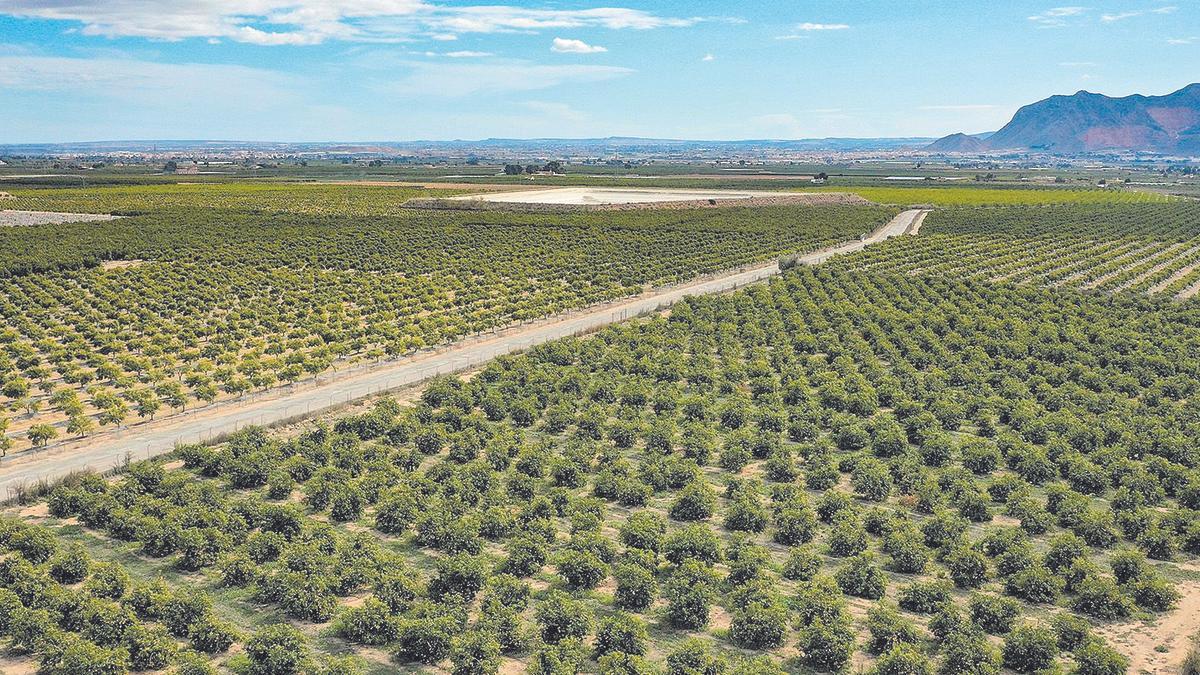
(104, 454)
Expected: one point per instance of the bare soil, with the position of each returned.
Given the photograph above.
(23, 218)
(1159, 645)
(121, 264)
(593, 198)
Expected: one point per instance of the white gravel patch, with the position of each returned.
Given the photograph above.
(20, 218)
(584, 196)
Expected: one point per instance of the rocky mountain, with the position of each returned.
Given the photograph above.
(1085, 122)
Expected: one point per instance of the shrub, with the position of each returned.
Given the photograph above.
(370, 624)
(558, 659)
(861, 577)
(925, 597)
(621, 633)
(689, 592)
(581, 569)
(967, 567)
(476, 652)
(277, 649)
(459, 575)
(902, 660)
(967, 651)
(826, 646)
(1152, 592)
(560, 617)
(1070, 630)
(426, 639)
(211, 635)
(150, 648)
(847, 536)
(1029, 648)
(108, 580)
(794, 526)
(888, 629)
(759, 625)
(1094, 658)
(70, 566)
(697, 501)
(644, 530)
(636, 587)
(802, 564)
(995, 615)
(695, 656)
(1099, 597)
(693, 542)
(745, 514)
(1034, 584)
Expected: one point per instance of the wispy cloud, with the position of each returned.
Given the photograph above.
(306, 22)
(708, 57)
(809, 27)
(1056, 16)
(148, 83)
(1121, 16)
(569, 46)
(1182, 41)
(1076, 64)
(452, 80)
(461, 54)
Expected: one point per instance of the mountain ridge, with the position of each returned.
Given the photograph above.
(1088, 122)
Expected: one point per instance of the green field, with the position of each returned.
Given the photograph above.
(222, 290)
(835, 468)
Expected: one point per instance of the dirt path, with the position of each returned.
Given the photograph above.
(1159, 645)
(1176, 276)
(107, 451)
(916, 226)
(13, 218)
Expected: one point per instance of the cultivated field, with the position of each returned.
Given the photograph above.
(232, 289)
(833, 471)
(970, 450)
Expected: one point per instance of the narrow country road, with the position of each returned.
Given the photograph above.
(104, 454)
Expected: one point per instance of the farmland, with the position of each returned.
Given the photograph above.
(969, 450)
(237, 288)
(1142, 249)
(835, 469)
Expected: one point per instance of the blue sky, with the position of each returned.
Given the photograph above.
(358, 70)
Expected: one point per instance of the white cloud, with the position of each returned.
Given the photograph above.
(569, 46)
(454, 80)
(821, 26)
(1121, 16)
(467, 54)
(708, 57)
(1076, 64)
(305, 22)
(1056, 16)
(186, 86)
(792, 36)
(1181, 41)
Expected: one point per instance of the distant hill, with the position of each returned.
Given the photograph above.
(1085, 122)
(958, 143)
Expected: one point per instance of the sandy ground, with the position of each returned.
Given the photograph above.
(5, 195)
(916, 226)
(121, 264)
(585, 196)
(1159, 645)
(105, 451)
(19, 218)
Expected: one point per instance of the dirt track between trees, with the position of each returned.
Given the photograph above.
(107, 451)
